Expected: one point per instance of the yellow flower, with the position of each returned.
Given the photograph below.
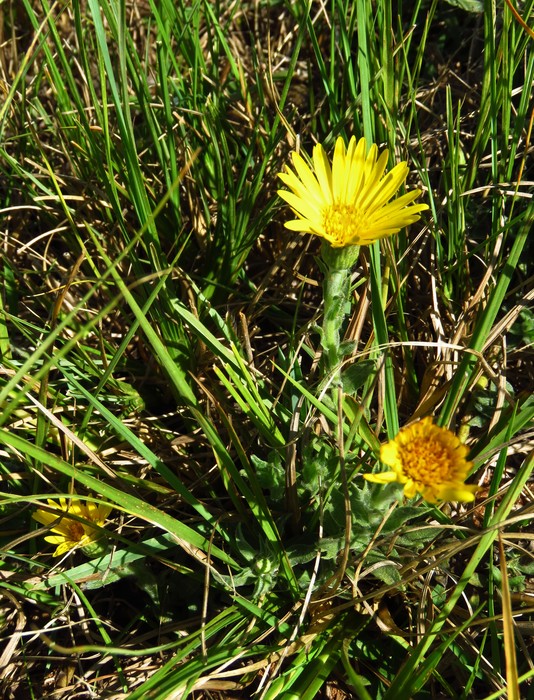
(348, 204)
(428, 460)
(72, 533)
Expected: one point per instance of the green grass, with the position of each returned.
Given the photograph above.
(159, 346)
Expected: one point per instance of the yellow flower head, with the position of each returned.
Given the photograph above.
(72, 533)
(348, 203)
(428, 460)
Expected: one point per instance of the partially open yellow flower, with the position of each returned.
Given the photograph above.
(428, 460)
(348, 203)
(72, 533)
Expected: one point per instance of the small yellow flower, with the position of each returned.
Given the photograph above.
(348, 203)
(72, 533)
(428, 460)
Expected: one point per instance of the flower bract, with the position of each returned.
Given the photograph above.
(72, 533)
(348, 202)
(428, 460)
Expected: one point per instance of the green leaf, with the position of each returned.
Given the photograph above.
(356, 374)
(475, 6)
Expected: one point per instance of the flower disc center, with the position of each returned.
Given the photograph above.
(76, 531)
(426, 461)
(343, 223)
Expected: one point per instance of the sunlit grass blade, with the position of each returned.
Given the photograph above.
(379, 321)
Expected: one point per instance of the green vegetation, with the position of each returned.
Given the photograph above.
(160, 351)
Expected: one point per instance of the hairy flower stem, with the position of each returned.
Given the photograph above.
(336, 287)
(336, 294)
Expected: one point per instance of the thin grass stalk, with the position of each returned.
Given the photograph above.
(510, 651)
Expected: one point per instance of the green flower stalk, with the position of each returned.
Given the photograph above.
(338, 264)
